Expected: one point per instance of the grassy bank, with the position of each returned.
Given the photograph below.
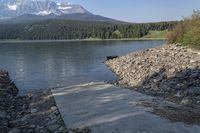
(156, 34)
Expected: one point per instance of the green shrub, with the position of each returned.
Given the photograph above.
(187, 32)
(117, 34)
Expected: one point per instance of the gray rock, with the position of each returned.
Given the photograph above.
(171, 71)
(34, 111)
(53, 108)
(194, 91)
(32, 126)
(2, 114)
(178, 94)
(30, 131)
(185, 101)
(14, 130)
(54, 127)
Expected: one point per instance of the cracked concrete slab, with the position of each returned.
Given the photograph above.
(105, 108)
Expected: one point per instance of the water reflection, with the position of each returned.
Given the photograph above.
(44, 65)
(20, 66)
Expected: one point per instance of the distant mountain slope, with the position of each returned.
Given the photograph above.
(14, 8)
(31, 18)
(27, 11)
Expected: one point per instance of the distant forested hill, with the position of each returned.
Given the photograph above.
(69, 29)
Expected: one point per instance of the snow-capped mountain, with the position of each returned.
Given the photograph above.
(30, 11)
(15, 8)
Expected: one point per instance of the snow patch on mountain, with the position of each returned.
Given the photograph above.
(64, 8)
(44, 13)
(14, 8)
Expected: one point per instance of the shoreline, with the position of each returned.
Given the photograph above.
(168, 72)
(37, 111)
(133, 71)
(80, 40)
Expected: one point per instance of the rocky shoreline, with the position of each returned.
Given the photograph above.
(33, 113)
(170, 72)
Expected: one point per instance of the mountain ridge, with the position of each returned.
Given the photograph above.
(27, 11)
(31, 18)
(14, 8)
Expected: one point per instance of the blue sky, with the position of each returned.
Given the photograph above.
(140, 10)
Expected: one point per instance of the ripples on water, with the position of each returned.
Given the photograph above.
(41, 65)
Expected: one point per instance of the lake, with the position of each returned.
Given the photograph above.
(43, 65)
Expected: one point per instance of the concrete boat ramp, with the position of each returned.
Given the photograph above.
(105, 108)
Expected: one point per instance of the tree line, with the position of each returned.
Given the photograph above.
(187, 32)
(69, 29)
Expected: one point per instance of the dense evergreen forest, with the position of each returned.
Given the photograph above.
(68, 29)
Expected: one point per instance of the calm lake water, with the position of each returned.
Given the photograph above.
(41, 65)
